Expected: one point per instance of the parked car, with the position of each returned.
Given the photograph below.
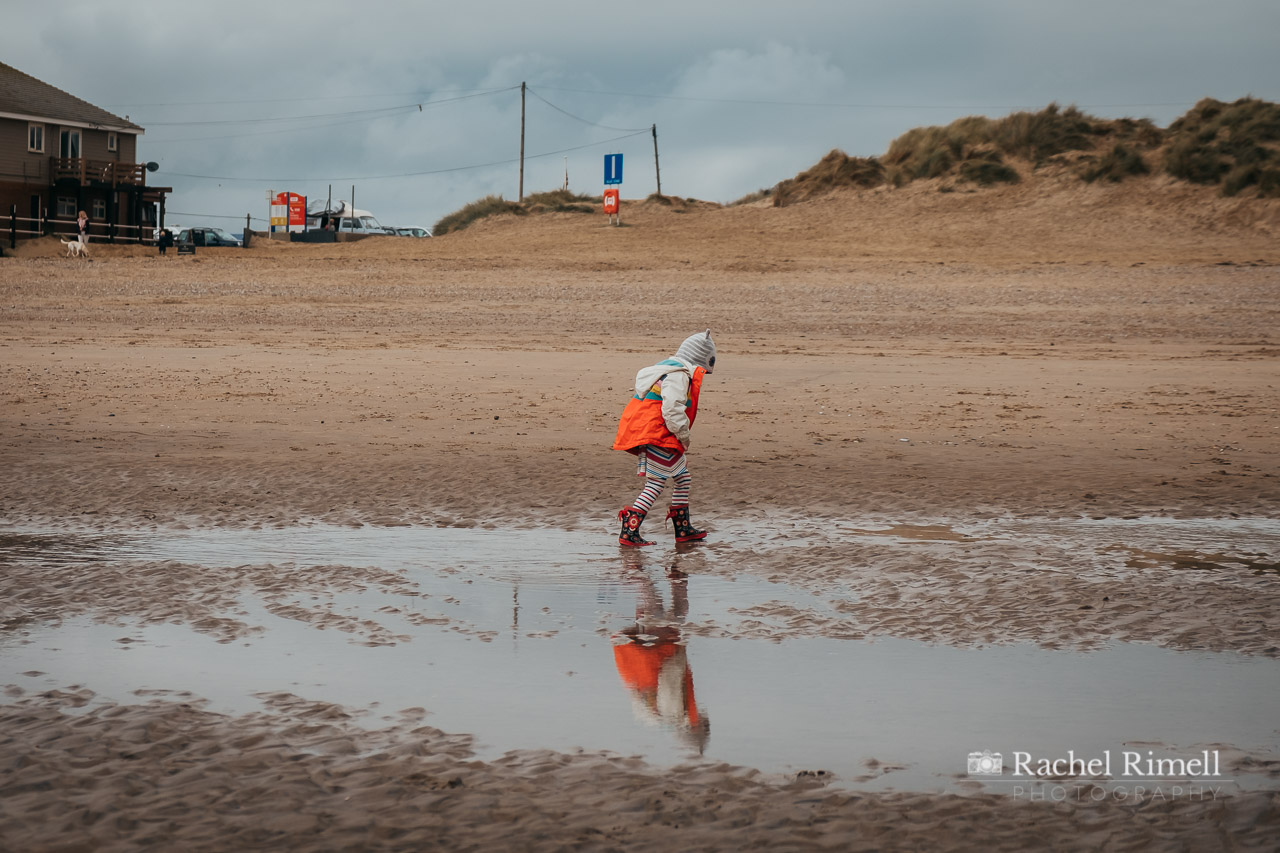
(207, 237)
(413, 232)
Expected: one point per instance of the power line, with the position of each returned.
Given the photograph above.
(408, 108)
(397, 108)
(855, 106)
(408, 174)
(276, 119)
(585, 121)
(259, 132)
(299, 100)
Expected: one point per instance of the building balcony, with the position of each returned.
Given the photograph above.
(97, 173)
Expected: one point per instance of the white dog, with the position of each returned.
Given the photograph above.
(75, 248)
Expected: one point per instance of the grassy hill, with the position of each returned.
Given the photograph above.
(1235, 146)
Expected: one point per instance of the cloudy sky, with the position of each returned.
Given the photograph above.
(418, 104)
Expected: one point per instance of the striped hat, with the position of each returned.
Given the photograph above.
(699, 350)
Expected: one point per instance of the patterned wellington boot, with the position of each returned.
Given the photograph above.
(685, 531)
(631, 519)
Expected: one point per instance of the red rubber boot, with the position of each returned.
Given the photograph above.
(631, 519)
(685, 531)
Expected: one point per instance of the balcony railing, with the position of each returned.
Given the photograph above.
(98, 172)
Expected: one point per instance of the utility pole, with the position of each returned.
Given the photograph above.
(656, 171)
(522, 88)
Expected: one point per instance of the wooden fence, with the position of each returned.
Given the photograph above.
(25, 228)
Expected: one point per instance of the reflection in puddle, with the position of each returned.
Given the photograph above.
(654, 664)
(553, 639)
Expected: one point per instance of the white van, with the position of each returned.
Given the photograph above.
(345, 218)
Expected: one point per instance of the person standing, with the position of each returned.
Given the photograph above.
(82, 224)
(655, 428)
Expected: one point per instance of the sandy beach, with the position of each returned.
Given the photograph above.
(889, 360)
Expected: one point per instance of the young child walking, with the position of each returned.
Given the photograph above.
(655, 428)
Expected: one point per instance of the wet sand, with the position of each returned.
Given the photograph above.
(874, 374)
(167, 775)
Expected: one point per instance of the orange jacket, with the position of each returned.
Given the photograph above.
(642, 422)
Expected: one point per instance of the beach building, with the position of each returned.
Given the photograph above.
(60, 155)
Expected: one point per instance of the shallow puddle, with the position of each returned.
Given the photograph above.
(552, 639)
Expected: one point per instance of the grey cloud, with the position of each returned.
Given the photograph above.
(904, 64)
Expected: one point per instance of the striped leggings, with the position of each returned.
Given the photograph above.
(657, 465)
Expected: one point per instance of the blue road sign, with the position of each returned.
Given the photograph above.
(612, 169)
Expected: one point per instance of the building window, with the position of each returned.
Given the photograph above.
(99, 208)
(35, 138)
(69, 144)
(112, 142)
(66, 207)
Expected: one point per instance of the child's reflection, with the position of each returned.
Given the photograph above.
(653, 662)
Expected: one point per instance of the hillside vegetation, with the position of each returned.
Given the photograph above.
(1235, 146)
(552, 201)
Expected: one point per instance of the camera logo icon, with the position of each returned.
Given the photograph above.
(985, 763)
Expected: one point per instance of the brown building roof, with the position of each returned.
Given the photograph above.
(22, 94)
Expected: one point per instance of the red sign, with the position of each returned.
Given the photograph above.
(289, 210)
(611, 201)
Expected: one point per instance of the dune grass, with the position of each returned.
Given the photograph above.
(560, 201)
(988, 169)
(490, 205)
(1038, 136)
(1116, 165)
(551, 201)
(836, 169)
(1236, 145)
(753, 197)
(974, 148)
